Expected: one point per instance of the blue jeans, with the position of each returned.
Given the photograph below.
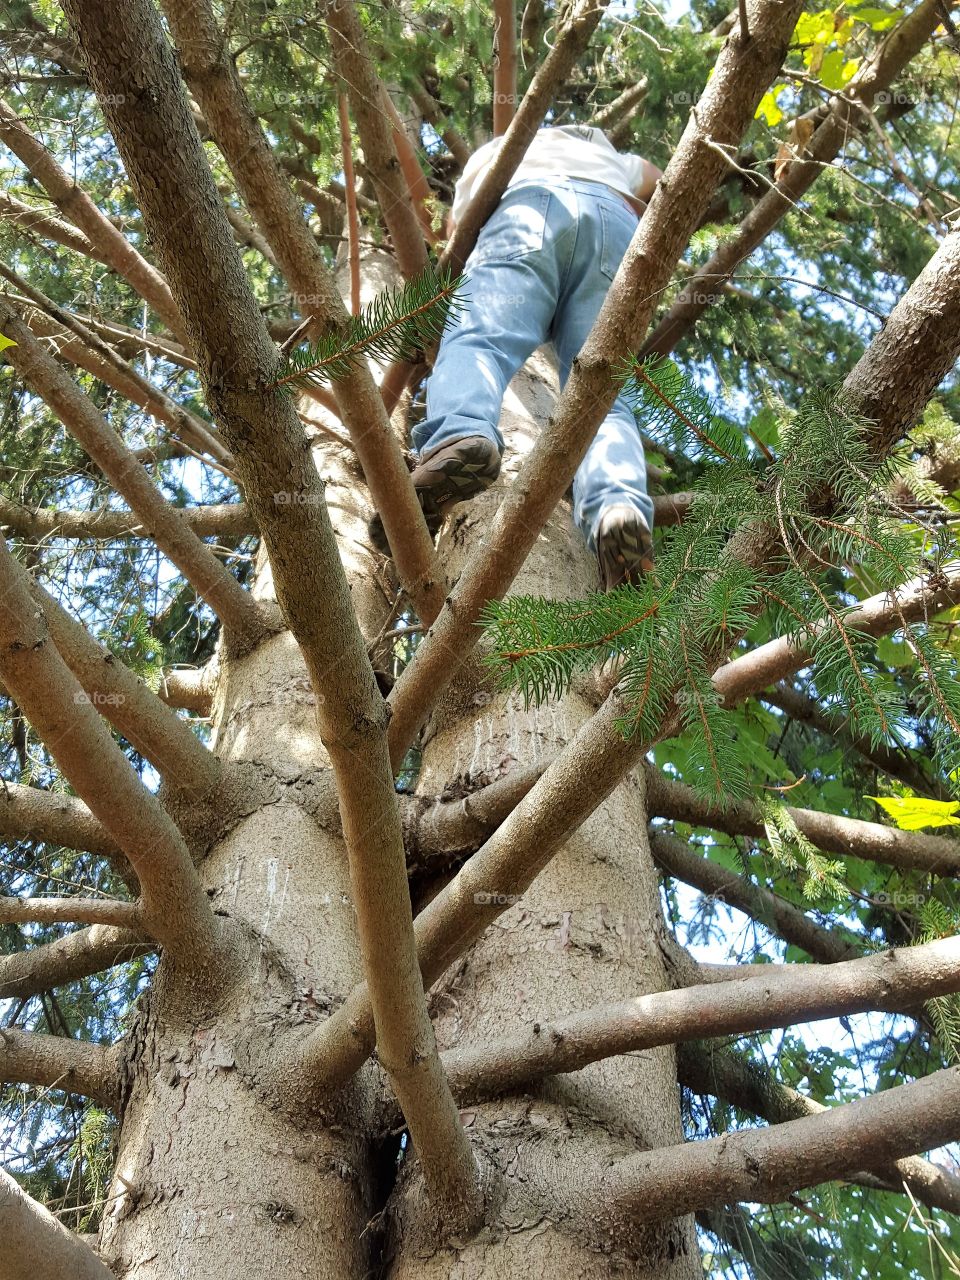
(540, 271)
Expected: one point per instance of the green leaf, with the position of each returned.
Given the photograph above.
(878, 19)
(835, 71)
(6, 342)
(768, 109)
(915, 813)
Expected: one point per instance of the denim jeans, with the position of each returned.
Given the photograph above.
(539, 273)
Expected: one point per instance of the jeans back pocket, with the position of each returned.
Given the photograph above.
(516, 228)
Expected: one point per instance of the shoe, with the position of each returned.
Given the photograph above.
(455, 472)
(624, 547)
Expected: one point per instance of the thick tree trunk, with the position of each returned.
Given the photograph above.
(585, 932)
(212, 1176)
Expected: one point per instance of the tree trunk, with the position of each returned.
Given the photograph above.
(212, 1176)
(586, 931)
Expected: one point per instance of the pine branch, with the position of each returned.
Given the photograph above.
(395, 325)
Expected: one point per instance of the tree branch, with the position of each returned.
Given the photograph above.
(36, 1245)
(890, 980)
(830, 832)
(238, 611)
(116, 372)
(77, 207)
(126, 49)
(354, 65)
(25, 974)
(726, 1074)
(213, 79)
(58, 1062)
(136, 711)
(77, 910)
(190, 688)
(676, 859)
(505, 64)
(27, 813)
(45, 226)
(177, 911)
(877, 73)
(766, 1165)
(227, 519)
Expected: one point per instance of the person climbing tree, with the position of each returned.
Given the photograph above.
(539, 273)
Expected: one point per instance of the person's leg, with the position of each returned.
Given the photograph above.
(511, 282)
(613, 474)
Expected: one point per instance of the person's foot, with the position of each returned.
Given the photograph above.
(457, 471)
(624, 547)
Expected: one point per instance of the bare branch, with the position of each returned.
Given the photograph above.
(830, 832)
(724, 1073)
(176, 908)
(36, 1245)
(766, 1165)
(45, 225)
(190, 688)
(27, 813)
(78, 910)
(57, 1062)
(127, 49)
(116, 372)
(417, 185)
(135, 710)
(77, 207)
(232, 604)
(78, 955)
(354, 65)
(505, 64)
(430, 109)
(890, 980)
(228, 520)
(353, 216)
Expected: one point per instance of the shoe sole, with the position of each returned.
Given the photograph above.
(453, 474)
(625, 554)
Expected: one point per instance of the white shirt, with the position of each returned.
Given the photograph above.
(564, 151)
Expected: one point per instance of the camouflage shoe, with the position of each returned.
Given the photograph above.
(624, 547)
(457, 471)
